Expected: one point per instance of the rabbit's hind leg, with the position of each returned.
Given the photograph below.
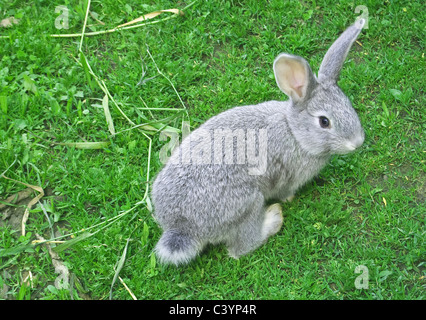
(273, 221)
(257, 227)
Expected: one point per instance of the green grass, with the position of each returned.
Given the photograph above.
(365, 208)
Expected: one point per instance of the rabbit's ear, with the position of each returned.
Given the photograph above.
(336, 55)
(294, 76)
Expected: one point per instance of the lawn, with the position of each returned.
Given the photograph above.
(80, 142)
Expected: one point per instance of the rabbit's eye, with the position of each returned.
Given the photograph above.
(324, 122)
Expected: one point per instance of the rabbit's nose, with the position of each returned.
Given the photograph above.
(356, 142)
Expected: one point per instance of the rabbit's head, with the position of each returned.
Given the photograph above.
(321, 117)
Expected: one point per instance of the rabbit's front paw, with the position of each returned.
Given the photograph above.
(273, 220)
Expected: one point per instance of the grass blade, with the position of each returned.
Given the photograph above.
(3, 104)
(72, 242)
(86, 68)
(15, 250)
(86, 145)
(119, 266)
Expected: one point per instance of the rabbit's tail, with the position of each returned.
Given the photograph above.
(176, 247)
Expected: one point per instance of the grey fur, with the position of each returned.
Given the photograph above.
(212, 191)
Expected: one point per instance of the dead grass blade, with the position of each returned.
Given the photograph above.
(127, 288)
(108, 117)
(30, 204)
(84, 25)
(150, 16)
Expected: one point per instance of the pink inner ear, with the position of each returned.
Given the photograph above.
(291, 75)
(299, 91)
(297, 84)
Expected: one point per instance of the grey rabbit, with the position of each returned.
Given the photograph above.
(214, 187)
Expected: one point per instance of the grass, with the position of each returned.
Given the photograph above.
(365, 208)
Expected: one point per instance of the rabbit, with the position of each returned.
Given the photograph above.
(215, 185)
